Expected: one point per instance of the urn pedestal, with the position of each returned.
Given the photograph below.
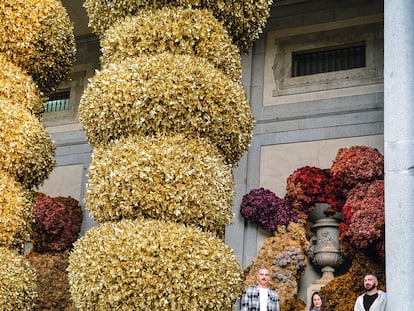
(325, 250)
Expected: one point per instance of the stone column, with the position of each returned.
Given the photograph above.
(399, 152)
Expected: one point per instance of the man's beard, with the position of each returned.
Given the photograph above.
(368, 288)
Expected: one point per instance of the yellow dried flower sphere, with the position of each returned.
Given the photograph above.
(179, 31)
(168, 177)
(26, 149)
(18, 88)
(152, 265)
(16, 211)
(244, 19)
(17, 282)
(169, 94)
(37, 36)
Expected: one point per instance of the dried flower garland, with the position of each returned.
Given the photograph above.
(170, 94)
(37, 36)
(17, 282)
(152, 265)
(178, 31)
(165, 177)
(364, 217)
(18, 88)
(26, 149)
(309, 185)
(15, 212)
(358, 164)
(244, 20)
(264, 207)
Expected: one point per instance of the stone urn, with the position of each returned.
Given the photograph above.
(325, 250)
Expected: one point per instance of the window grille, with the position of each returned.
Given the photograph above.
(58, 102)
(328, 59)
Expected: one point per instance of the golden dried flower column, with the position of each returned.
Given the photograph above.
(37, 49)
(167, 117)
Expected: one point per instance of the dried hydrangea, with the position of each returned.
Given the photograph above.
(152, 265)
(18, 88)
(286, 254)
(264, 207)
(169, 94)
(358, 164)
(179, 31)
(26, 149)
(54, 228)
(166, 177)
(15, 212)
(287, 264)
(17, 282)
(52, 280)
(244, 20)
(363, 225)
(309, 185)
(37, 36)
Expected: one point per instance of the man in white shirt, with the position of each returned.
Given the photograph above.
(373, 299)
(260, 297)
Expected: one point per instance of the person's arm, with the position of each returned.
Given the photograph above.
(278, 304)
(381, 301)
(244, 302)
(357, 307)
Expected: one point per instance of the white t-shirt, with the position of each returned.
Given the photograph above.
(263, 295)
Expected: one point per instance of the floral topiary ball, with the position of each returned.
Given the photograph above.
(37, 36)
(18, 88)
(15, 212)
(163, 177)
(17, 282)
(152, 265)
(167, 94)
(178, 31)
(26, 149)
(244, 19)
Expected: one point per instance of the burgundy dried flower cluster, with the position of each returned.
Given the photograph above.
(364, 221)
(358, 164)
(55, 226)
(265, 208)
(309, 185)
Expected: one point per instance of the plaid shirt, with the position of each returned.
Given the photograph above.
(251, 302)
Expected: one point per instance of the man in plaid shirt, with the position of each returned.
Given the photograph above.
(260, 297)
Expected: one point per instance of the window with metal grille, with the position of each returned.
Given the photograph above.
(58, 102)
(328, 59)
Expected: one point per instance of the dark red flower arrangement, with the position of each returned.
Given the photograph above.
(363, 217)
(354, 186)
(358, 164)
(55, 226)
(309, 185)
(265, 208)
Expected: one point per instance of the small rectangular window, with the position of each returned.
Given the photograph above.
(328, 59)
(58, 102)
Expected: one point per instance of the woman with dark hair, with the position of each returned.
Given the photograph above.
(318, 302)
